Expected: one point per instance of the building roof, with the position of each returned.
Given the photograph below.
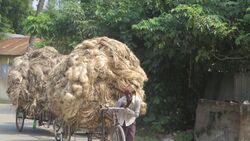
(14, 46)
(11, 35)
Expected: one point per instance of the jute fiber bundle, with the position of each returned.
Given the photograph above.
(95, 74)
(28, 77)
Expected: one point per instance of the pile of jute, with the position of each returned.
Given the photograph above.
(93, 75)
(28, 77)
(75, 87)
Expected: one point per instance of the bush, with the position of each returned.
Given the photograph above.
(184, 136)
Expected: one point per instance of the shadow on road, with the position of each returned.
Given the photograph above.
(8, 132)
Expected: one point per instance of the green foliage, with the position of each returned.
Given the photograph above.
(159, 125)
(37, 25)
(147, 134)
(247, 18)
(41, 44)
(184, 136)
(244, 40)
(186, 40)
(5, 25)
(181, 24)
(138, 138)
(178, 42)
(13, 13)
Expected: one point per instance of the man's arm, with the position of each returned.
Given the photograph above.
(120, 102)
(135, 113)
(137, 107)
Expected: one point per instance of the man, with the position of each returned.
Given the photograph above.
(131, 102)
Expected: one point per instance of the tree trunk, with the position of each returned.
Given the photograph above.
(39, 9)
(40, 6)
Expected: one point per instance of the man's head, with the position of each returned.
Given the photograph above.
(128, 95)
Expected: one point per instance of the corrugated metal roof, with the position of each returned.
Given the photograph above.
(14, 46)
(10, 35)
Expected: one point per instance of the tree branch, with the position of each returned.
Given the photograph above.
(230, 58)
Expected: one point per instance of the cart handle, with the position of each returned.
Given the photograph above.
(112, 109)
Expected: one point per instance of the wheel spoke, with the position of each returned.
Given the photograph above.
(57, 127)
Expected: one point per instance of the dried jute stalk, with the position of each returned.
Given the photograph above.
(94, 74)
(28, 77)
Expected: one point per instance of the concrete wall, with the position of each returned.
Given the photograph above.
(245, 123)
(222, 121)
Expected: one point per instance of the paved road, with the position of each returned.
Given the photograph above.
(8, 131)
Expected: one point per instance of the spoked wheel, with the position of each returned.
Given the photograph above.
(62, 130)
(69, 133)
(58, 129)
(117, 134)
(20, 116)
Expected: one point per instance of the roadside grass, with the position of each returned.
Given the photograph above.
(3, 101)
(146, 138)
(147, 134)
(144, 134)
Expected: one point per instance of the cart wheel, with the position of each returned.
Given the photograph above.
(20, 116)
(117, 134)
(58, 129)
(68, 132)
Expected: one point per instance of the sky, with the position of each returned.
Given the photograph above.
(35, 2)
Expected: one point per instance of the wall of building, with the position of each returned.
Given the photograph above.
(5, 62)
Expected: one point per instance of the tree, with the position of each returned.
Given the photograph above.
(13, 13)
(39, 9)
(178, 43)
